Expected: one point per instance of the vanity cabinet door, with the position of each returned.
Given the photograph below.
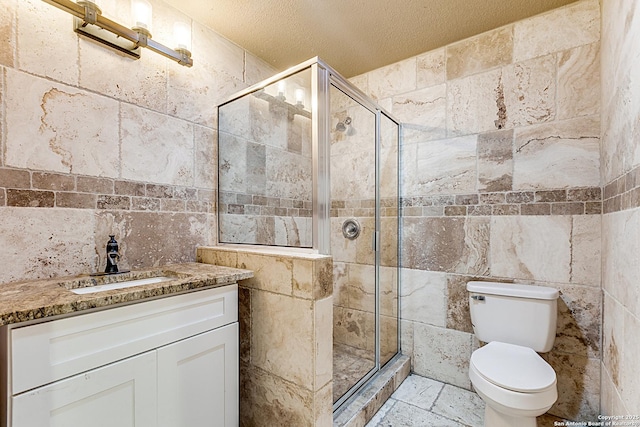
(198, 380)
(121, 394)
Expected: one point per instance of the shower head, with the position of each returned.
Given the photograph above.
(342, 126)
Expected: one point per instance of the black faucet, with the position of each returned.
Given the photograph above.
(112, 255)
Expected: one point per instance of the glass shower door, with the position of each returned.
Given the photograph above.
(353, 227)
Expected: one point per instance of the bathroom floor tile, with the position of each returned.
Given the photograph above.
(399, 413)
(461, 405)
(419, 391)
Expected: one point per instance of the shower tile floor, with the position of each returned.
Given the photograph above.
(422, 402)
(349, 365)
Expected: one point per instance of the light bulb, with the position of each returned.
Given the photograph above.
(182, 36)
(300, 97)
(141, 12)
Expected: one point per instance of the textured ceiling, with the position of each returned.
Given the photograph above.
(354, 36)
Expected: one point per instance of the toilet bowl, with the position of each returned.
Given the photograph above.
(515, 383)
(516, 322)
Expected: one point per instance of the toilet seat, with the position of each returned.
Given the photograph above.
(513, 367)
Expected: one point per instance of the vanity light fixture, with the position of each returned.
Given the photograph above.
(89, 22)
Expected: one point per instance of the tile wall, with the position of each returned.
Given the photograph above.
(621, 219)
(501, 181)
(93, 143)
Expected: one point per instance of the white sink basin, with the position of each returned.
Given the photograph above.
(120, 285)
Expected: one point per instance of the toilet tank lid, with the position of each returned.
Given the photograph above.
(513, 290)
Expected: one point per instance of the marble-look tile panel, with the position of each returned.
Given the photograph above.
(393, 79)
(558, 155)
(579, 82)
(419, 391)
(454, 245)
(460, 405)
(352, 176)
(442, 354)
(41, 243)
(145, 240)
(44, 130)
(495, 161)
(206, 158)
(475, 104)
(293, 231)
(156, 148)
(630, 384)
(578, 386)
(266, 399)
(354, 328)
(41, 30)
(560, 29)
(282, 337)
(287, 174)
(424, 107)
(7, 33)
(360, 287)
(323, 336)
(423, 296)
(440, 167)
(528, 91)
(579, 320)
(586, 265)
(488, 50)
(613, 340)
(531, 247)
(271, 273)
(431, 70)
(256, 69)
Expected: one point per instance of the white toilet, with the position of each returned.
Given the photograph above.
(516, 321)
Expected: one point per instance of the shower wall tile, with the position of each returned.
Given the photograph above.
(41, 31)
(361, 287)
(354, 328)
(423, 296)
(43, 130)
(446, 361)
(424, 107)
(156, 148)
(564, 28)
(545, 254)
(558, 155)
(474, 103)
(257, 69)
(206, 157)
(528, 91)
(393, 79)
(440, 167)
(8, 33)
(476, 54)
(495, 161)
(586, 238)
(630, 384)
(579, 82)
(431, 68)
(578, 387)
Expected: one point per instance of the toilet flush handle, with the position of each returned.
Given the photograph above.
(477, 297)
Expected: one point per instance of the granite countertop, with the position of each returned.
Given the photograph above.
(39, 299)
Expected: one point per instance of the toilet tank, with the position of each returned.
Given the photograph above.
(525, 315)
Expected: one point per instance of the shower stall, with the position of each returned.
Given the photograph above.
(307, 161)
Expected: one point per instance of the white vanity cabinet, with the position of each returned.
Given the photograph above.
(170, 362)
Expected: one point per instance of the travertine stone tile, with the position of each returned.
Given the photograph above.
(423, 296)
(560, 29)
(425, 107)
(586, 265)
(578, 386)
(144, 239)
(40, 243)
(440, 167)
(630, 384)
(404, 414)
(323, 407)
(355, 328)
(42, 29)
(271, 273)
(558, 155)
(579, 320)
(457, 305)
(44, 130)
(460, 405)
(393, 79)
(323, 336)
(448, 361)
(76, 200)
(361, 287)
(8, 33)
(613, 340)
(156, 148)
(15, 178)
(476, 54)
(475, 104)
(579, 82)
(418, 391)
(431, 69)
(610, 400)
(531, 247)
(495, 161)
(529, 92)
(269, 400)
(282, 337)
(256, 69)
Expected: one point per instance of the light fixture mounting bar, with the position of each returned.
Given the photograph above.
(182, 57)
